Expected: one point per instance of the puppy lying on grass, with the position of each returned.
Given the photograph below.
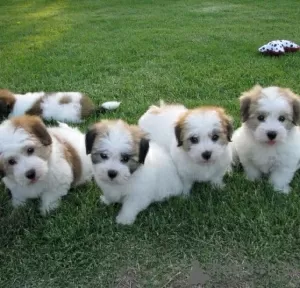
(70, 107)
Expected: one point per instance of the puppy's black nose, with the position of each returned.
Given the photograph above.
(30, 174)
(206, 155)
(271, 135)
(112, 174)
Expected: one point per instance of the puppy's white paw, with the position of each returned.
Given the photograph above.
(17, 203)
(218, 184)
(253, 176)
(187, 190)
(46, 208)
(285, 189)
(104, 200)
(125, 219)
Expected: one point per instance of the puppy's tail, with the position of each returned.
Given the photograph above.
(155, 108)
(162, 103)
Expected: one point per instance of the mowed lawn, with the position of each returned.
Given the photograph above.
(137, 52)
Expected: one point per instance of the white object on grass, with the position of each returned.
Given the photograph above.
(111, 105)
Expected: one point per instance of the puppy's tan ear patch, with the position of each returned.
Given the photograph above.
(294, 99)
(140, 142)
(87, 106)
(296, 111)
(2, 171)
(40, 131)
(97, 130)
(90, 137)
(246, 99)
(179, 130)
(228, 125)
(35, 126)
(7, 101)
(143, 150)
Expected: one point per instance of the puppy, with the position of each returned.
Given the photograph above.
(268, 142)
(197, 139)
(37, 162)
(60, 106)
(129, 169)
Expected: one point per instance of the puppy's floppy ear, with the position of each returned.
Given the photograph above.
(296, 111)
(178, 131)
(2, 172)
(39, 129)
(245, 101)
(229, 128)
(90, 137)
(4, 109)
(294, 99)
(143, 150)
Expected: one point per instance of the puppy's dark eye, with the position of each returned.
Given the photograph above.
(30, 150)
(125, 158)
(261, 118)
(194, 140)
(215, 137)
(281, 118)
(12, 162)
(103, 156)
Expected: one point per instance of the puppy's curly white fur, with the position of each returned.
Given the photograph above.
(41, 162)
(197, 139)
(268, 142)
(129, 169)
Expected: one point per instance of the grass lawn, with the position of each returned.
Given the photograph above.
(194, 52)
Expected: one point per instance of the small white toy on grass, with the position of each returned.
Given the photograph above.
(111, 105)
(278, 47)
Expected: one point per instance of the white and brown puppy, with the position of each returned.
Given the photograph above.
(60, 106)
(268, 142)
(129, 169)
(40, 162)
(197, 139)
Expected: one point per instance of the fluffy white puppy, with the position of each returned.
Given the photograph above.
(60, 106)
(197, 139)
(268, 142)
(36, 162)
(129, 169)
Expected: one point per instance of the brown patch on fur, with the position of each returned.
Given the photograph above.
(2, 169)
(248, 102)
(36, 108)
(87, 106)
(66, 99)
(137, 135)
(294, 101)
(227, 124)
(179, 128)
(72, 158)
(8, 98)
(34, 126)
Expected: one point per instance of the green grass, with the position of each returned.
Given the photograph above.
(138, 51)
